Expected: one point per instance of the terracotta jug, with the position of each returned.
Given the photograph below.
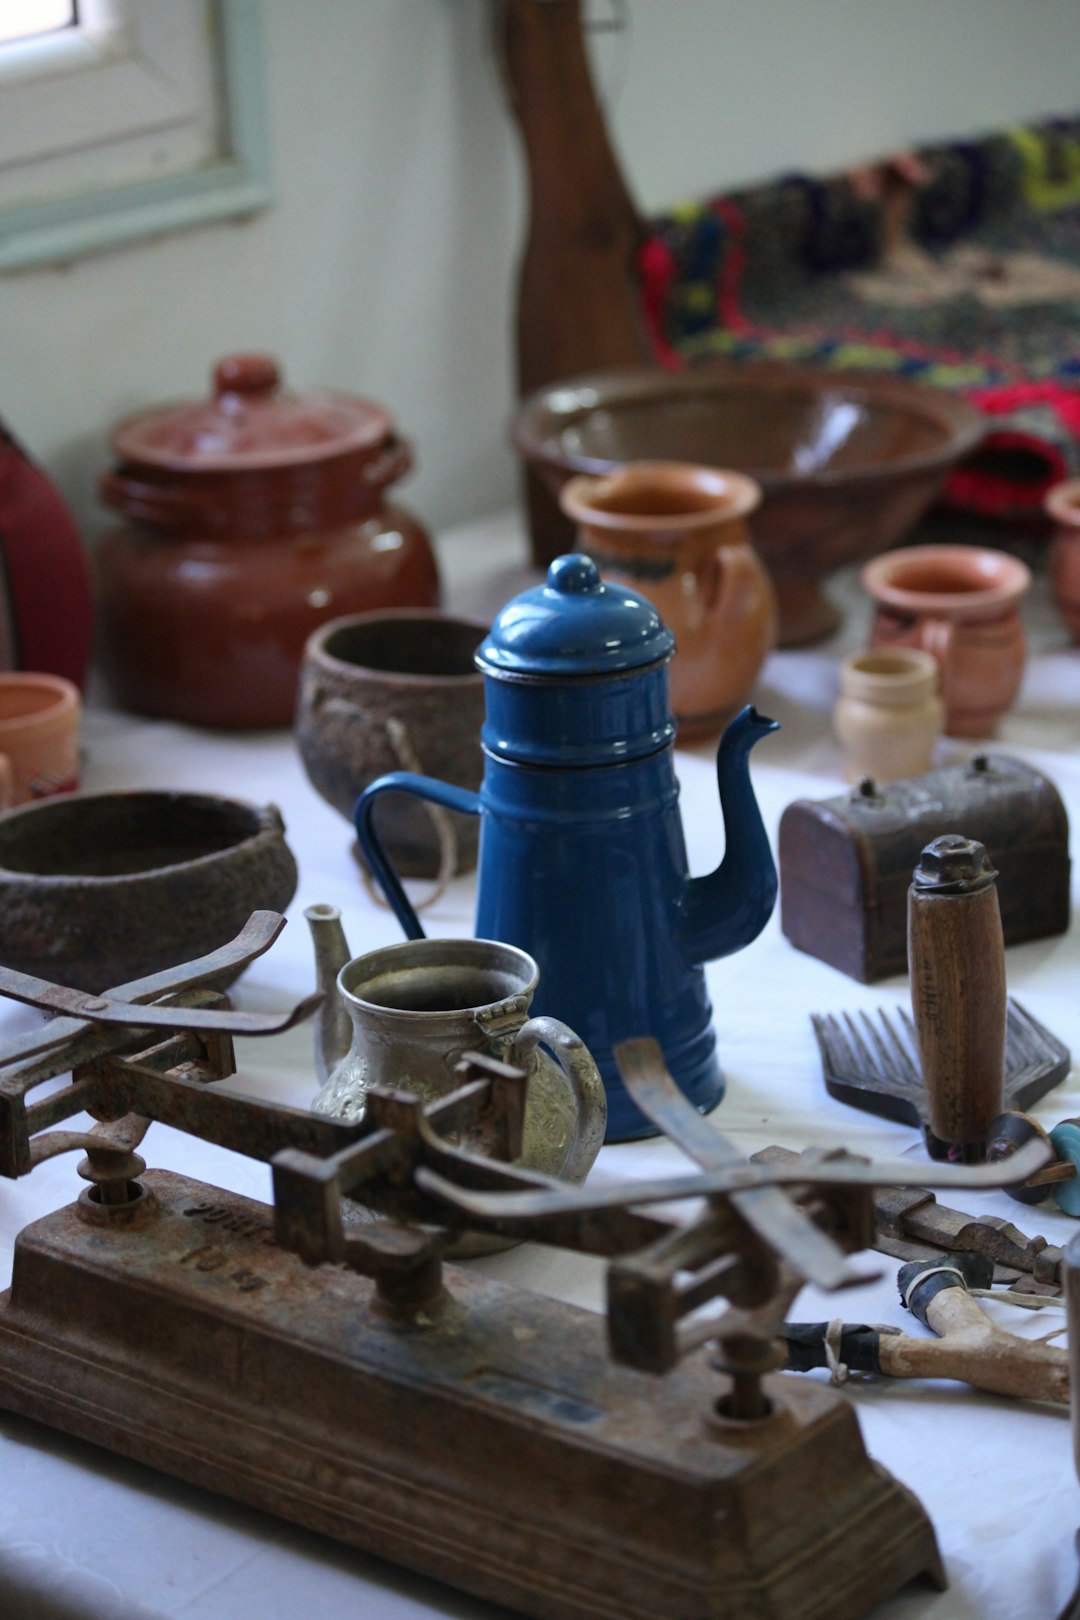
(1063, 505)
(677, 534)
(889, 715)
(252, 518)
(958, 603)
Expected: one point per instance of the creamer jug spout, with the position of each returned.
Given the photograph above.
(333, 1027)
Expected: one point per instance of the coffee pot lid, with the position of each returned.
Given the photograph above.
(575, 624)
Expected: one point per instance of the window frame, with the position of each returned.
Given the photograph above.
(114, 83)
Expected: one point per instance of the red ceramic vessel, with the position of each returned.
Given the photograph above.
(1062, 503)
(252, 518)
(958, 603)
(46, 606)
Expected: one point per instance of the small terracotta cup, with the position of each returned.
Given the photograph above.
(677, 533)
(1062, 504)
(397, 691)
(958, 603)
(39, 736)
(889, 714)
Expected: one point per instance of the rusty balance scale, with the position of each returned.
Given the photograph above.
(339, 1374)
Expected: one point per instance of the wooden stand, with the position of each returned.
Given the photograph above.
(496, 1448)
(578, 306)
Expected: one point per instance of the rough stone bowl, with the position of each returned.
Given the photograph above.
(396, 690)
(847, 462)
(97, 889)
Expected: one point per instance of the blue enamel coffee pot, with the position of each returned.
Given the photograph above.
(582, 860)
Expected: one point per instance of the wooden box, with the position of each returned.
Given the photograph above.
(846, 862)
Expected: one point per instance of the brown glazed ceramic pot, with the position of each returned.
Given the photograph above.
(847, 463)
(252, 518)
(678, 535)
(1063, 505)
(388, 692)
(958, 603)
(97, 889)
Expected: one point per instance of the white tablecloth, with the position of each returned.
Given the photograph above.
(86, 1536)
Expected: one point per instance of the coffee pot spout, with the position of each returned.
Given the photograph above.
(333, 1027)
(725, 910)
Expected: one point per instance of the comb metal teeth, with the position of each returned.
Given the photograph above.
(876, 1055)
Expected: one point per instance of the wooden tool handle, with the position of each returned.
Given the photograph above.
(956, 954)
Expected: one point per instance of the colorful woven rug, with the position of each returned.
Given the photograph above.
(956, 265)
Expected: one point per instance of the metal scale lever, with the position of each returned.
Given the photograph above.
(401, 1162)
(754, 1244)
(102, 1040)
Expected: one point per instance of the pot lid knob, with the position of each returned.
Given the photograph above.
(575, 574)
(246, 374)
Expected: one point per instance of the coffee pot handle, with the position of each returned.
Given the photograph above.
(584, 1081)
(420, 787)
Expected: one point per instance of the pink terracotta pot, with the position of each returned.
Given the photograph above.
(1062, 504)
(39, 737)
(958, 603)
(678, 534)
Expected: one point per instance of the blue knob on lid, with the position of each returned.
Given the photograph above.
(576, 574)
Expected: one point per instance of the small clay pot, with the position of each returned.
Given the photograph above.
(1063, 505)
(39, 736)
(889, 714)
(98, 889)
(678, 535)
(958, 603)
(396, 691)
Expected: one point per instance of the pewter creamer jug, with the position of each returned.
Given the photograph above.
(582, 859)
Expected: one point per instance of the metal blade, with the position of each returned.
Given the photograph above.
(787, 1230)
(745, 1177)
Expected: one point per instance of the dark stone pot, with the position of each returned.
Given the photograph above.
(392, 691)
(98, 889)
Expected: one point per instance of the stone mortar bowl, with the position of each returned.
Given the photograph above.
(97, 889)
(847, 462)
(391, 691)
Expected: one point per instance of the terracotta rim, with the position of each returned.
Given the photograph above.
(733, 495)
(1014, 578)
(316, 648)
(1063, 503)
(64, 694)
(962, 426)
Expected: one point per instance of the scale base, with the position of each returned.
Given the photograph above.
(497, 1448)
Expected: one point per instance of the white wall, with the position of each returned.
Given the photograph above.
(386, 265)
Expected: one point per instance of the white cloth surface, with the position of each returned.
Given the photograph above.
(87, 1536)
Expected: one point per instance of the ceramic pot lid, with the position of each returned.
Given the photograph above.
(250, 423)
(573, 625)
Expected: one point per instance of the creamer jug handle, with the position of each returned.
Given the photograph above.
(420, 787)
(583, 1081)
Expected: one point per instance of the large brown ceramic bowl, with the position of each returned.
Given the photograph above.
(97, 889)
(847, 463)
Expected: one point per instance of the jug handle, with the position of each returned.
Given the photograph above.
(420, 787)
(583, 1078)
